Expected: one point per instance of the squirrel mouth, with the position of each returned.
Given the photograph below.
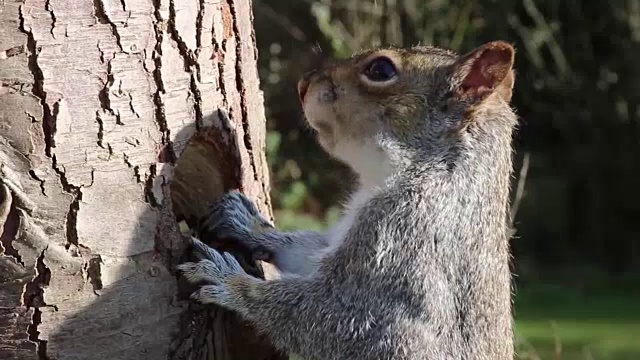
(322, 127)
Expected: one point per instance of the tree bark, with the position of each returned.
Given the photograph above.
(116, 118)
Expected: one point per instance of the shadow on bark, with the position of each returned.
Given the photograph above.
(121, 325)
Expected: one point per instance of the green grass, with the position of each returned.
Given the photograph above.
(593, 322)
(577, 339)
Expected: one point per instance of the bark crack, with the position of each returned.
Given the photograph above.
(217, 56)
(125, 157)
(147, 182)
(49, 8)
(150, 176)
(167, 153)
(221, 83)
(16, 50)
(31, 117)
(189, 58)
(93, 273)
(49, 114)
(33, 297)
(197, 103)
(133, 110)
(240, 85)
(74, 206)
(34, 335)
(101, 16)
(105, 101)
(199, 20)
(187, 54)
(72, 219)
(35, 177)
(100, 129)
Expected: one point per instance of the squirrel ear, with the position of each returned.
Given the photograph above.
(483, 71)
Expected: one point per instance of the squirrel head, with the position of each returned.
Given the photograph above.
(415, 98)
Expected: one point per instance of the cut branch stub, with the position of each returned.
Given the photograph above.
(208, 167)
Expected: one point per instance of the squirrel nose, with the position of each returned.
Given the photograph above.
(303, 86)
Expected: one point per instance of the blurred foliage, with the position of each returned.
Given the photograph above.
(577, 93)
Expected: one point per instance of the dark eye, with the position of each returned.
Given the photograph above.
(380, 69)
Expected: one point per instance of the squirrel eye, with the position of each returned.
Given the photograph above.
(380, 69)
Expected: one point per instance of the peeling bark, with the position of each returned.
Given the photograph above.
(116, 117)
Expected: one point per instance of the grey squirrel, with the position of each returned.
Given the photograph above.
(418, 266)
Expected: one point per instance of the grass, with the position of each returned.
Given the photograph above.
(597, 320)
(577, 339)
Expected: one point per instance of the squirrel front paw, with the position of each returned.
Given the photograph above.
(235, 217)
(212, 274)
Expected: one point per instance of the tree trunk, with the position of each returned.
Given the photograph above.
(116, 117)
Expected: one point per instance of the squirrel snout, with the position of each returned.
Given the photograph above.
(303, 86)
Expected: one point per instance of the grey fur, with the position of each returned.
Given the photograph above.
(418, 268)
